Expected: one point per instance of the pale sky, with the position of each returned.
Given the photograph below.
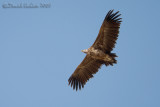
(41, 47)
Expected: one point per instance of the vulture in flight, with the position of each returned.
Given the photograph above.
(99, 53)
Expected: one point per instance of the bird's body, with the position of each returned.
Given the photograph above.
(99, 53)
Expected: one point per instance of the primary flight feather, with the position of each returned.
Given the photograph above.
(99, 53)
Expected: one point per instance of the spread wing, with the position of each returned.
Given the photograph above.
(105, 41)
(108, 32)
(84, 72)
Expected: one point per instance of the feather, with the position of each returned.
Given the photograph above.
(105, 42)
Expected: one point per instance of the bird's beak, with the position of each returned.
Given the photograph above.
(83, 51)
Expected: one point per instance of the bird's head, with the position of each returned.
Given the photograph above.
(85, 50)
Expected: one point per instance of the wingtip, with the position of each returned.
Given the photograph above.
(75, 83)
(113, 17)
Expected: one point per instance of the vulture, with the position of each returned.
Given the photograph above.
(99, 53)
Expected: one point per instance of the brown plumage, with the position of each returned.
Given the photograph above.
(99, 53)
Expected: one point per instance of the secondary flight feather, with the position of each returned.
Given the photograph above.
(99, 53)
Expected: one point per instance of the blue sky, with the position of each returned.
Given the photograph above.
(41, 47)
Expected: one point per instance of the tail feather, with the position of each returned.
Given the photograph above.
(114, 61)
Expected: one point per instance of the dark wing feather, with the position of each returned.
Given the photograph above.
(84, 72)
(108, 32)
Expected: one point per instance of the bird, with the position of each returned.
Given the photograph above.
(100, 53)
